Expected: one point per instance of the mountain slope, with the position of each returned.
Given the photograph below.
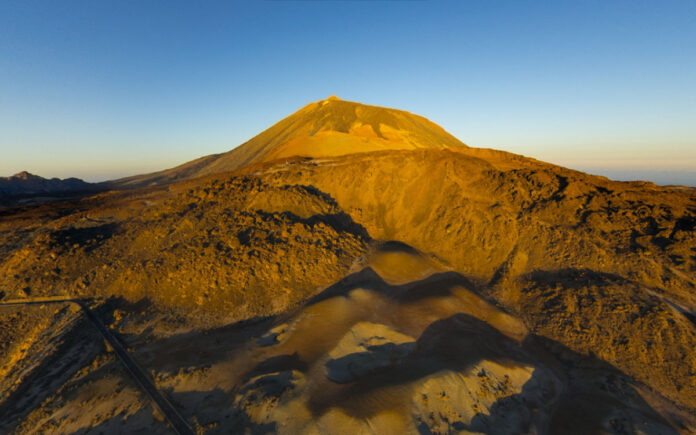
(25, 183)
(330, 127)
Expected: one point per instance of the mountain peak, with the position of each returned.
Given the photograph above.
(24, 175)
(342, 127)
(319, 129)
(26, 183)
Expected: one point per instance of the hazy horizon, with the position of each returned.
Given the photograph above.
(102, 91)
(661, 176)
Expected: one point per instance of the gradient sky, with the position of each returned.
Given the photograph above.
(103, 89)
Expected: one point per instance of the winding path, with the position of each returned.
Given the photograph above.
(177, 422)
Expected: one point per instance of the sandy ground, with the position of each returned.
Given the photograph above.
(381, 351)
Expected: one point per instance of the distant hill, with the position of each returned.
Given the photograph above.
(24, 183)
(330, 127)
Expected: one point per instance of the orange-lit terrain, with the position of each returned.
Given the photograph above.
(355, 269)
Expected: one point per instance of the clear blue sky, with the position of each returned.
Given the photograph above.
(103, 89)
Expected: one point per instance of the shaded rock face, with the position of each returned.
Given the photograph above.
(367, 348)
(25, 183)
(377, 366)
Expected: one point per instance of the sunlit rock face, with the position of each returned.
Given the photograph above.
(330, 127)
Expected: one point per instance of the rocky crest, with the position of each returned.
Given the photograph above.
(25, 183)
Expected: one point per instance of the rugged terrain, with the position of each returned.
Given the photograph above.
(357, 269)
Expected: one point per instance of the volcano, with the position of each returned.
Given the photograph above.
(356, 269)
(330, 127)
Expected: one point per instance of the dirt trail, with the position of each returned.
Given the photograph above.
(176, 421)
